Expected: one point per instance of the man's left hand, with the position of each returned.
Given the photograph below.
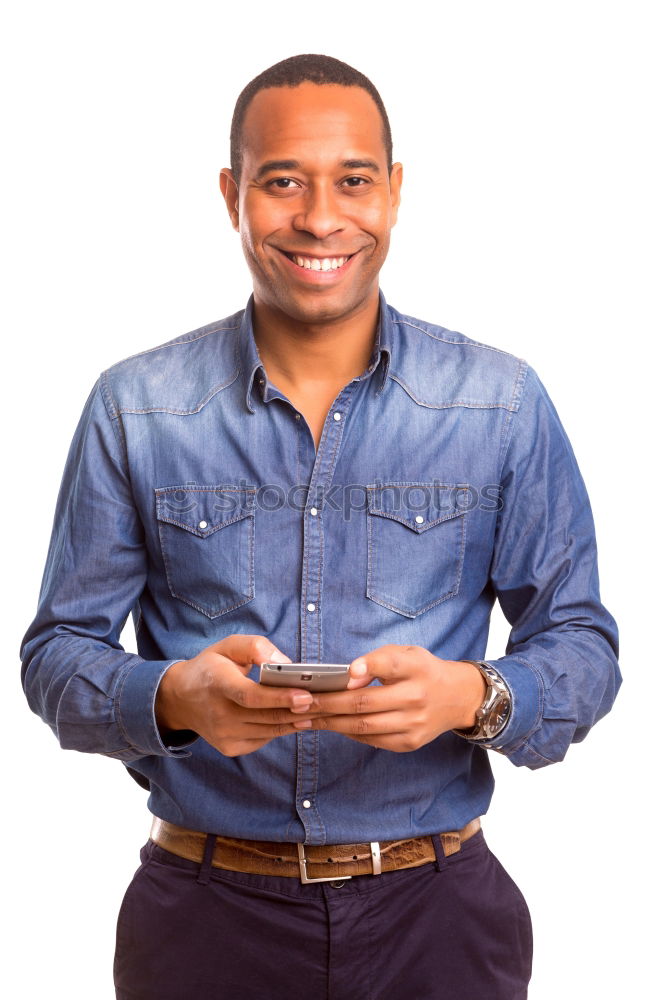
(420, 697)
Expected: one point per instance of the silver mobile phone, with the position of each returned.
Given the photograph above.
(312, 676)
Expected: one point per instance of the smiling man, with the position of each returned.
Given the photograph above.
(320, 478)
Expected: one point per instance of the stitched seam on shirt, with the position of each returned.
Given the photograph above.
(419, 529)
(510, 421)
(329, 477)
(467, 342)
(540, 707)
(187, 338)
(199, 533)
(116, 422)
(187, 600)
(116, 708)
(403, 611)
(469, 404)
(304, 587)
(182, 413)
(206, 489)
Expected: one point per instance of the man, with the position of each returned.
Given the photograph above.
(323, 479)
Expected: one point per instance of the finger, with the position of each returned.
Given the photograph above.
(395, 733)
(257, 731)
(248, 694)
(359, 701)
(243, 651)
(271, 716)
(239, 747)
(379, 724)
(246, 650)
(388, 664)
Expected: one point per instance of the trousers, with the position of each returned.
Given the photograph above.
(456, 928)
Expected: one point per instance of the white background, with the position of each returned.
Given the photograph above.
(532, 219)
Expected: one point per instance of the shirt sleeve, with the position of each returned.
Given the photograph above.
(561, 658)
(96, 697)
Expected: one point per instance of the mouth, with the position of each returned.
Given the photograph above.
(319, 265)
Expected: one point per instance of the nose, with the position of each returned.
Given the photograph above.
(319, 212)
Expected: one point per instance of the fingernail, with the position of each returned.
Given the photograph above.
(301, 702)
(358, 668)
(278, 657)
(302, 724)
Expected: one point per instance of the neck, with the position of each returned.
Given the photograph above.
(301, 354)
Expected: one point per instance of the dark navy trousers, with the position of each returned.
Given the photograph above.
(458, 929)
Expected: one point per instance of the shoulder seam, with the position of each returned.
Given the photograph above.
(466, 342)
(187, 338)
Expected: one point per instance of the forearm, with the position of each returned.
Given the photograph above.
(95, 698)
(562, 682)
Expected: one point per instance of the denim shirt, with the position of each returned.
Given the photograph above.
(194, 497)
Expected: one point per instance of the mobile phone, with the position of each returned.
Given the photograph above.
(312, 676)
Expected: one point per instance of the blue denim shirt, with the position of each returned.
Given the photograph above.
(194, 498)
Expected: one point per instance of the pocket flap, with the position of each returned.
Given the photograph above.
(202, 510)
(418, 506)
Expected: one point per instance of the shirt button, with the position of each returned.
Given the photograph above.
(297, 416)
(311, 607)
(203, 524)
(306, 803)
(336, 416)
(418, 519)
(313, 511)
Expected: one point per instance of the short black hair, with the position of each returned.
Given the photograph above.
(290, 73)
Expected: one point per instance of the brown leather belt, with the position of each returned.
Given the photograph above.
(309, 862)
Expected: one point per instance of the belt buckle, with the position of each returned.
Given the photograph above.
(302, 864)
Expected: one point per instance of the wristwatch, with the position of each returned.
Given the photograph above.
(494, 713)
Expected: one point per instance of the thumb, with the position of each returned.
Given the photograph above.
(359, 674)
(388, 664)
(246, 650)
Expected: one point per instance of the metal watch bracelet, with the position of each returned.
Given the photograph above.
(494, 713)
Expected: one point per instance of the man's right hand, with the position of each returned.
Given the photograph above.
(212, 695)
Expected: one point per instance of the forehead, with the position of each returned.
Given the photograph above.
(312, 120)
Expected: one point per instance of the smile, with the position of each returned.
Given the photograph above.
(319, 264)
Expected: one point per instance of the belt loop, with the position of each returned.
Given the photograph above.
(440, 859)
(203, 878)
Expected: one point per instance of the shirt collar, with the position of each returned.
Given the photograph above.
(253, 371)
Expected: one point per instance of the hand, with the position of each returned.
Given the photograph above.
(212, 695)
(421, 697)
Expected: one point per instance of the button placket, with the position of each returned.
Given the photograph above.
(314, 525)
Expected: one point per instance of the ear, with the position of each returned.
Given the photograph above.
(395, 185)
(229, 190)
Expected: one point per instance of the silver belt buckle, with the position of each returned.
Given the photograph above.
(302, 864)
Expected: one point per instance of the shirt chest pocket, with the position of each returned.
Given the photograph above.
(207, 542)
(416, 544)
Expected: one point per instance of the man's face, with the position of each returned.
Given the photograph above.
(316, 204)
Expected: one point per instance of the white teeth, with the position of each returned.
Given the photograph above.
(314, 264)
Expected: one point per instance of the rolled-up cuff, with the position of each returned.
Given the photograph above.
(526, 690)
(135, 710)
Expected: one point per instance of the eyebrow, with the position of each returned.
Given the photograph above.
(272, 165)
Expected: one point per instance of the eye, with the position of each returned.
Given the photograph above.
(355, 181)
(281, 183)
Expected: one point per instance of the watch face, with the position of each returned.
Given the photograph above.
(499, 714)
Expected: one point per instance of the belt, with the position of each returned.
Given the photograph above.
(309, 862)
